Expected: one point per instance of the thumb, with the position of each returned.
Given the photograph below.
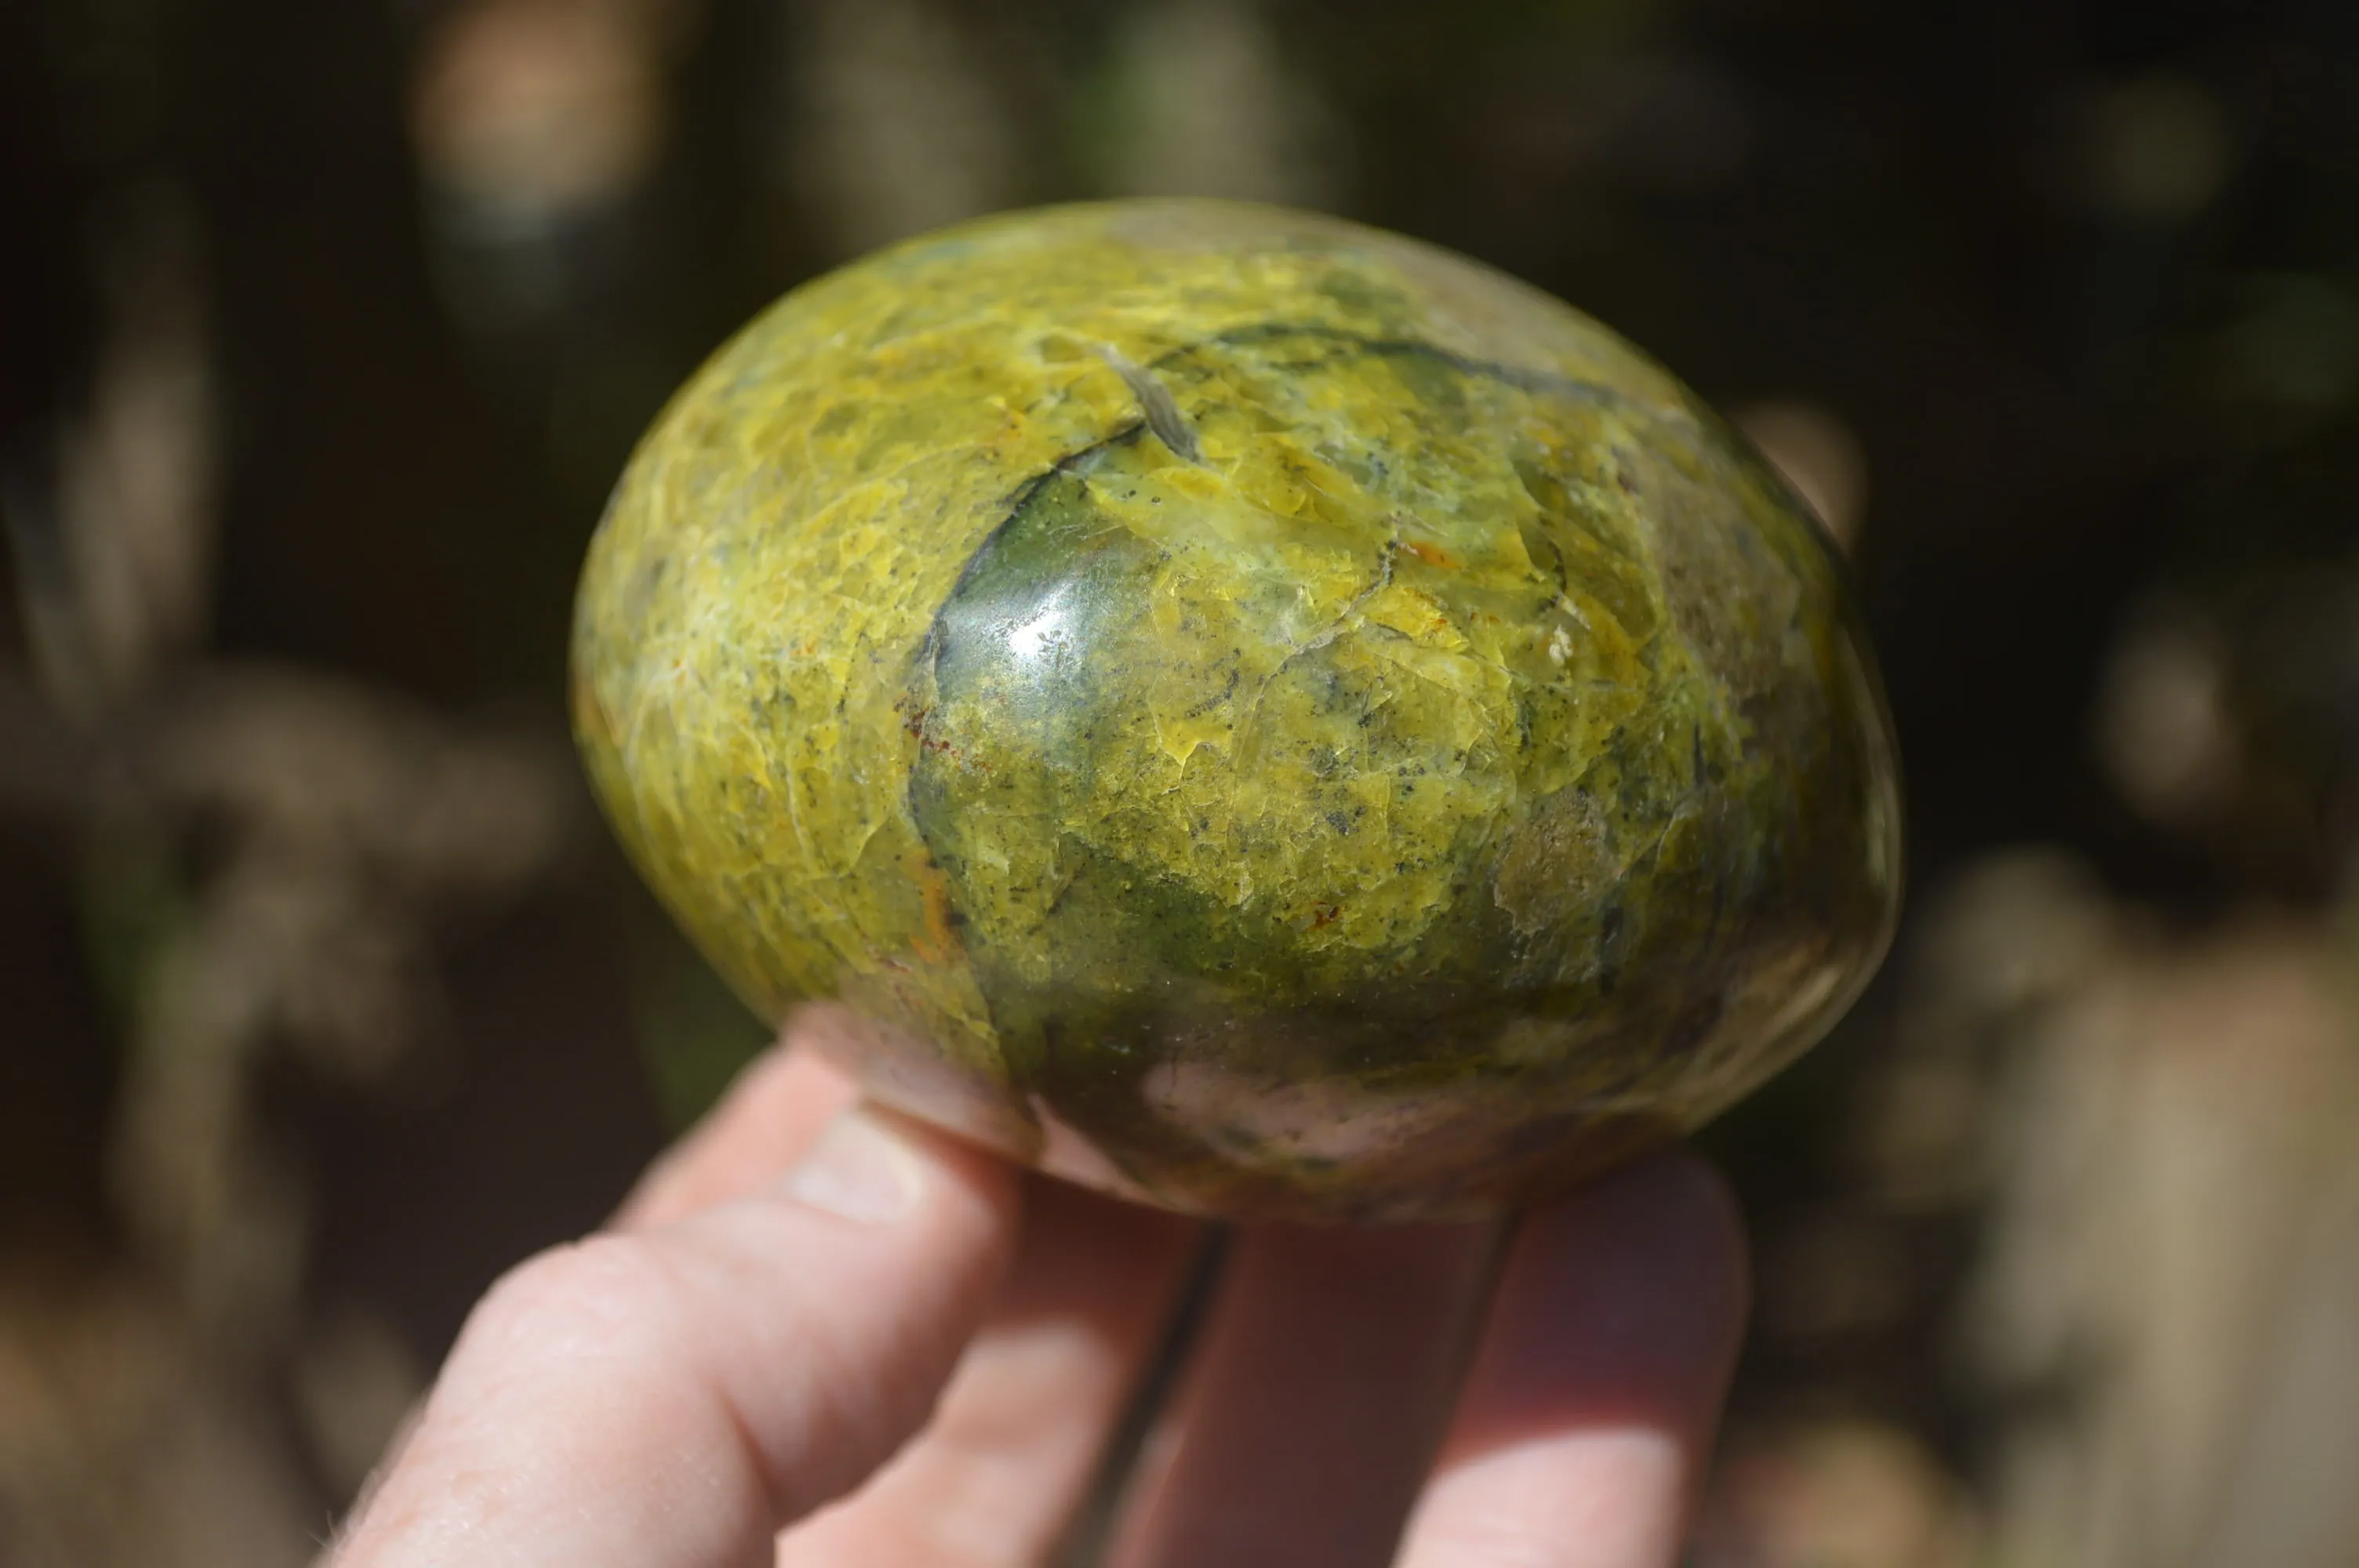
(671, 1398)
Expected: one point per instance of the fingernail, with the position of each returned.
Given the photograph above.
(857, 1171)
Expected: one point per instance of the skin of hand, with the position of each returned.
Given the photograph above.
(824, 1336)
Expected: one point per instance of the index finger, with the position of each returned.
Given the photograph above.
(670, 1396)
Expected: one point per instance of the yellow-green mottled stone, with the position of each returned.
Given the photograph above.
(1242, 709)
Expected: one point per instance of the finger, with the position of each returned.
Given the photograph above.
(669, 1397)
(997, 1476)
(770, 1116)
(1590, 1404)
(1314, 1400)
(772, 1113)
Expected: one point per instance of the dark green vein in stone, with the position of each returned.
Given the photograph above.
(1517, 376)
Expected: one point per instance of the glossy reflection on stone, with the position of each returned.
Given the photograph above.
(1242, 709)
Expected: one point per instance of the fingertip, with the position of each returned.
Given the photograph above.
(1626, 1299)
(873, 1165)
(1664, 1230)
(1591, 1405)
(1673, 1194)
(1690, 1196)
(766, 1120)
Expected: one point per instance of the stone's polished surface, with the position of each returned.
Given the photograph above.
(1242, 709)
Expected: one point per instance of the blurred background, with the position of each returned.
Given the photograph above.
(323, 996)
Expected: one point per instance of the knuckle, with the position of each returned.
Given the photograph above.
(614, 1297)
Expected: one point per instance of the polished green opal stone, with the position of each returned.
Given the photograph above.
(1241, 710)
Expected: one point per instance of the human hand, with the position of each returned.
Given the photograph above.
(822, 1335)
